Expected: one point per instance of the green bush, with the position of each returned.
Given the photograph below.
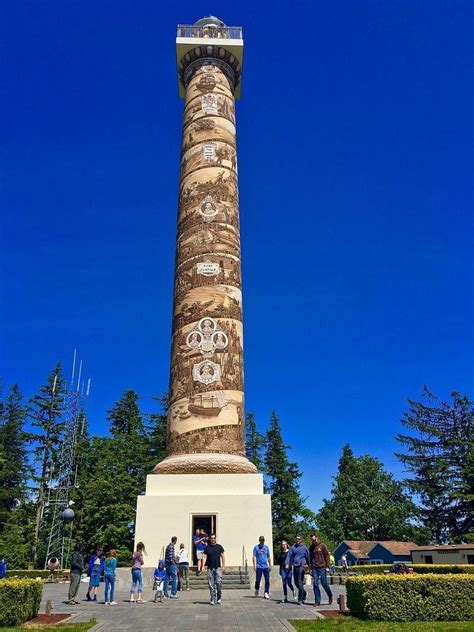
(437, 569)
(411, 597)
(19, 600)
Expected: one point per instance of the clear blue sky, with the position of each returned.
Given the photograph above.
(355, 137)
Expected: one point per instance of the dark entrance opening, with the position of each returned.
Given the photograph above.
(428, 559)
(470, 559)
(206, 522)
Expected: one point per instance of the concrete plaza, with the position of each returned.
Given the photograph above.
(191, 612)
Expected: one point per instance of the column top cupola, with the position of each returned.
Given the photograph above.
(209, 40)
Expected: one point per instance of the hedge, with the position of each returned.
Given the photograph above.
(437, 569)
(411, 597)
(19, 600)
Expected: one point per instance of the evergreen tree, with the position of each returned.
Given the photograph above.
(13, 446)
(254, 442)
(157, 431)
(45, 411)
(282, 483)
(112, 476)
(440, 458)
(366, 503)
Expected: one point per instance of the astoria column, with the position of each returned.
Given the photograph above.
(206, 427)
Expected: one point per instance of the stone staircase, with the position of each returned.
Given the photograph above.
(234, 578)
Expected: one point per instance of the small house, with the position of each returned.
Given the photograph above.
(443, 554)
(390, 551)
(356, 551)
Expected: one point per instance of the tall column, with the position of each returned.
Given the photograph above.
(206, 429)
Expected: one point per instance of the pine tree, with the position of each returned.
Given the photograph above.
(440, 458)
(45, 411)
(125, 417)
(254, 442)
(367, 503)
(13, 446)
(157, 431)
(282, 483)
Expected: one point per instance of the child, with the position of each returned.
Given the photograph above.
(159, 578)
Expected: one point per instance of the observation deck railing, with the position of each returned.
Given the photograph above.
(209, 31)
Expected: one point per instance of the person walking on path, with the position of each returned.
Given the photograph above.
(96, 568)
(137, 575)
(284, 573)
(319, 558)
(200, 541)
(298, 557)
(77, 566)
(183, 565)
(344, 563)
(110, 566)
(332, 564)
(262, 565)
(171, 569)
(215, 562)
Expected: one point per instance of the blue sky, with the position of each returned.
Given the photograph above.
(355, 165)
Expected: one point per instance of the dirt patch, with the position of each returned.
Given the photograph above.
(334, 614)
(46, 619)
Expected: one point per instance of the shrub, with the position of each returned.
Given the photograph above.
(19, 600)
(412, 597)
(437, 569)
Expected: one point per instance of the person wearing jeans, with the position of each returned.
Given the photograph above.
(262, 566)
(298, 557)
(319, 557)
(284, 573)
(77, 565)
(215, 562)
(137, 576)
(171, 569)
(110, 566)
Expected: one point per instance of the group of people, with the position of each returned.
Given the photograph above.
(172, 572)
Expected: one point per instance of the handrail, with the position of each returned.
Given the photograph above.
(244, 564)
(209, 31)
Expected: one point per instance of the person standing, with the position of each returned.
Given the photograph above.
(137, 575)
(332, 564)
(183, 566)
(215, 562)
(171, 569)
(262, 565)
(96, 568)
(344, 563)
(110, 566)
(319, 558)
(298, 557)
(77, 566)
(284, 573)
(199, 540)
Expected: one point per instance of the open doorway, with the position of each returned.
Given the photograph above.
(207, 523)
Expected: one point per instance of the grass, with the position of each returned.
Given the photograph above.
(72, 627)
(348, 624)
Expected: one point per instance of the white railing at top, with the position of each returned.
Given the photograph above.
(209, 31)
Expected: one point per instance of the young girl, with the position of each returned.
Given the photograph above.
(159, 578)
(137, 576)
(110, 566)
(183, 565)
(285, 574)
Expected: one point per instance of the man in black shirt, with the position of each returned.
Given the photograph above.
(77, 566)
(215, 562)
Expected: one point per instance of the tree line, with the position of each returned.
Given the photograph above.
(433, 504)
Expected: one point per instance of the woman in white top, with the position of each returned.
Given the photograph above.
(183, 566)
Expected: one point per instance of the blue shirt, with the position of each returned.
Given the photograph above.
(200, 546)
(298, 555)
(160, 573)
(261, 553)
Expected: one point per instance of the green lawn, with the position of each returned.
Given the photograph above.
(349, 624)
(72, 627)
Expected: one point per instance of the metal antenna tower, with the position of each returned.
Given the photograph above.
(59, 492)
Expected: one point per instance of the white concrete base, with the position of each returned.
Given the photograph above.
(242, 510)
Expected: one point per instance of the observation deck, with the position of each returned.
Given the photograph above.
(209, 38)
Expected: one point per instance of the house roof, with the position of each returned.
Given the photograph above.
(443, 547)
(397, 548)
(360, 548)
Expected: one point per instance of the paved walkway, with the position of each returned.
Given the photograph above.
(191, 612)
